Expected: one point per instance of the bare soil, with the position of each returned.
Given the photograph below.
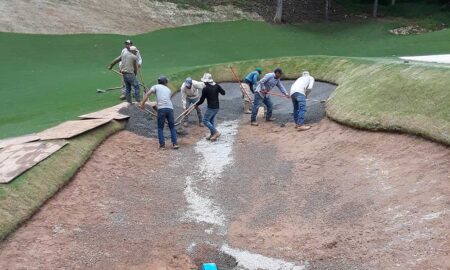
(106, 16)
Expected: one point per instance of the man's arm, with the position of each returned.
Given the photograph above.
(183, 96)
(139, 58)
(202, 99)
(146, 96)
(135, 62)
(221, 91)
(115, 61)
(311, 82)
(255, 78)
(282, 88)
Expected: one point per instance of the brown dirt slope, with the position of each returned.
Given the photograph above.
(105, 16)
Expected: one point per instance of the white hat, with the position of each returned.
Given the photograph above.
(207, 78)
(305, 73)
(133, 48)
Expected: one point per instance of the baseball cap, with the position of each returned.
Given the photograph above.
(162, 79)
(128, 41)
(278, 70)
(188, 82)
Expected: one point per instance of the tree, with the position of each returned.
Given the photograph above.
(279, 13)
(375, 8)
(393, 3)
(327, 8)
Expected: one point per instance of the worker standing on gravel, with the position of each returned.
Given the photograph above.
(211, 94)
(249, 82)
(129, 68)
(165, 111)
(299, 91)
(262, 94)
(126, 49)
(190, 93)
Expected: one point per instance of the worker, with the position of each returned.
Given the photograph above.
(128, 43)
(299, 91)
(129, 68)
(249, 82)
(165, 111)
(262, 94)
(190, 94)
(211, 93)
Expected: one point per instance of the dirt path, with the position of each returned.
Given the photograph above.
(261, 197)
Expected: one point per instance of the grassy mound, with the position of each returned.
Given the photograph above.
(374, 94)
(23, 196)
(49, 79)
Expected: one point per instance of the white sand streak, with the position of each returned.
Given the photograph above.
(215, 157)
(438, 58)
(253, 261)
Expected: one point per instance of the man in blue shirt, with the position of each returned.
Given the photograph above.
(262, 94)
(249, 82)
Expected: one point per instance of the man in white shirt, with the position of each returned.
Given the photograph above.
(190, 93)
(299, 90)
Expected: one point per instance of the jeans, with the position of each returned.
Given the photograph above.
(257, 102)
(299, 102)
(131, 80)
(189, 102)
(163, 114)
(209, 119)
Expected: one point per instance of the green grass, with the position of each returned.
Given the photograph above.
(47, 79)
(372, 93)
(25, 195)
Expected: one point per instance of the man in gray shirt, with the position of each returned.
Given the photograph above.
(165, 110)
(129, 69)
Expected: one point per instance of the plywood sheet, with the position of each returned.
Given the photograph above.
(18, 140)
(16, 159)
(70, 129)
(108, 113)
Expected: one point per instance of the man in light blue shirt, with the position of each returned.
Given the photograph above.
(262, 94)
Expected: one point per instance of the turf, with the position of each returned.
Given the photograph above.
(25, 195)
(49, 79)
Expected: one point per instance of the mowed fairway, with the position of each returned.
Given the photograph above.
(48, 79)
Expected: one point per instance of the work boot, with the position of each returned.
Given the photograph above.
(254, 124)
(162, 147)
(175, 146)
(208, 137)
(185, 124)
(303, 127)
(215, 136)
(248, 111)
(270, 119)
(122, 97)
(200, 124)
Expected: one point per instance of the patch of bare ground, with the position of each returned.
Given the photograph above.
(106, 16)
(357, 199)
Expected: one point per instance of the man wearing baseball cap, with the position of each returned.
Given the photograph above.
(127, 44)
(165, 111)
(190, 93)
(262, 94)
(129, 69)
(249, 82)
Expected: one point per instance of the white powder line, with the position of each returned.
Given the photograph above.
(438, 58)
(251, 261)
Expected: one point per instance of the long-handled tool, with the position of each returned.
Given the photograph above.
(240, 84)
(185, 113)
(108, 89)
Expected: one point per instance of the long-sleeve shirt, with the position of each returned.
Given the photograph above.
(302, 84)
(252, 77)
(211, 94)
(192, 93)
(267, 83)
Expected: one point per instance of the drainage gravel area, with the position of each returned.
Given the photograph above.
(145, 124)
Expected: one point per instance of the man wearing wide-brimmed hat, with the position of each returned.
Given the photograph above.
(211, 94)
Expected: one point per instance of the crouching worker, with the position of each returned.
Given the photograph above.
(299, 90)
(165, 111)
(190, 93)
(211, 94)
(250, 82)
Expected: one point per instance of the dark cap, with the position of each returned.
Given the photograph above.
(162, 80)
(278, 70)
(128, 41)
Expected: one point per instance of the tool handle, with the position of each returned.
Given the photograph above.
(240, 84)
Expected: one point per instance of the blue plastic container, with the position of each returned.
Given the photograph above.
(209, 266)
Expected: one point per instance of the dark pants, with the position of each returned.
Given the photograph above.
(163, 114)
(299, 103)
(257, 102)
(250, 84)
(130, 80)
